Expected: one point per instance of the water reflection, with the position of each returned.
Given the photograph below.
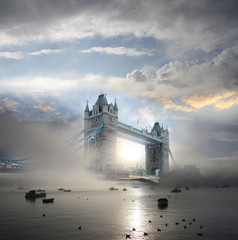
(30, 199)
(136, 215)
(161, 207)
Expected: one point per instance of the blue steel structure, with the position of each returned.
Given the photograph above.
(85, 139)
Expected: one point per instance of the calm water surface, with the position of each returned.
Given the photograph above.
(105, 214)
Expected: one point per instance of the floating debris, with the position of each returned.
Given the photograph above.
(176, 190)
(128, 236)
(113, 189)
(163, 203)
(48, 200)
(33, 194)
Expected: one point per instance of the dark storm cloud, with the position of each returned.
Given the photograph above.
(204, 24)
(28, 12)
(220, 72)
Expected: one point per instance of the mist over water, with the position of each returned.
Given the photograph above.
(102, 214)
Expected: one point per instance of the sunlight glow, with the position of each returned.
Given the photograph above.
(131, 153)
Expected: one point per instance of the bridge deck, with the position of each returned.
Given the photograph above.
(134, 134)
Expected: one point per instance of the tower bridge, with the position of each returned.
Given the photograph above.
(102, 127)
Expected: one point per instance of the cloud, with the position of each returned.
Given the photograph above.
(118, 51)
(169, 104)
(221, 100)
(184, 25)
(43, 84)
(11, 55)
(180, 86)
(194, 84)
(137, 76)
(43, 108)
(228, 102)
(46, 51)
(147, 113)
(179, 118)
(9, 104)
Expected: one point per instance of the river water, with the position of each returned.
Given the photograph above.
(104, 214)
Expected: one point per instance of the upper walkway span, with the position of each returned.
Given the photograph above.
(140, 136)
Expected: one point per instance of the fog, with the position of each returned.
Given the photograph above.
(51, 162)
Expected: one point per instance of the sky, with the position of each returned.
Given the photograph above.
(172, 61)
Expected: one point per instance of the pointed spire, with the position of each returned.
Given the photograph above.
(87, 108)
(105, 100)
(115, 105)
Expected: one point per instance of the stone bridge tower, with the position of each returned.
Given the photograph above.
(157, 155)
(101, 150)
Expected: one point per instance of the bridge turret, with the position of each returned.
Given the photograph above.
(101, 151)
(157, 154)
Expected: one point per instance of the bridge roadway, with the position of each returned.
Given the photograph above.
(136, 135)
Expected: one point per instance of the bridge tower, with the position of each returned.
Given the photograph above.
(157, 155)
(101, 150)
